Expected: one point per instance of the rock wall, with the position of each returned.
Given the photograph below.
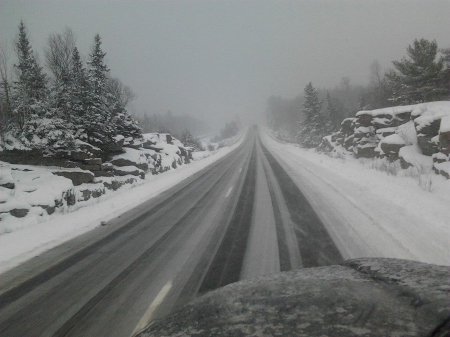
(423, 129)
(65, 178)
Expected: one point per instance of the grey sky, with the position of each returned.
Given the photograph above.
(213, 59)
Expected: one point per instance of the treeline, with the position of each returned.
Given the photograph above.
(172, 123)
(229, 130)
(422, 76)
(75, 102)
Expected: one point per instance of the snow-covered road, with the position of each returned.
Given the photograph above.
(367, 212)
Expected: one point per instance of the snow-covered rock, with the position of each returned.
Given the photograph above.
(131, 157)
(384, 132)
(77, 176)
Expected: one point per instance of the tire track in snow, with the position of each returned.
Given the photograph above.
(316, 246)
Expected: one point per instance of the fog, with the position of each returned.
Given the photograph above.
(216, 59)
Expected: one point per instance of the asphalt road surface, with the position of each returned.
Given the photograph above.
(239, 218)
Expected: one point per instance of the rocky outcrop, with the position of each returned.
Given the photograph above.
(383, 132)
(363, 297)
(77, 177)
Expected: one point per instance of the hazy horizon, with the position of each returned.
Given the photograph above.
(213, 60)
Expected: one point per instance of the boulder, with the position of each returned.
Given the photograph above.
(19, 212)
(348, 126)
(385, 132)
(78, 177)
(365, 151)
(8, 185)
(443, 169)
(103, 173)
(404, 164)
(80, 155)
(121, 162)
(426, 144)
(107, 167)
(380, 123)
(85, 151)
(129, 170)
(116, 146)
(403, 117)
(391, 146)
(364, 118)
(93, 161)
(134, 144)
(363, 297)
(326, 145)
(429, 129)
(440, 157)
(391, 150)
(91, 167)
(348, 142)
(49, 209)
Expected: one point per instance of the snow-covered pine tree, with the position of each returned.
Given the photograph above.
(188, 140)
(124, 123)
(29, 91)
(446, 73)
(312, 129)
(98, 122)
(37, 123)
(78, 96)
(418, 79)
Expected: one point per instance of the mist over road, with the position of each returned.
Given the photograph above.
(239, 218)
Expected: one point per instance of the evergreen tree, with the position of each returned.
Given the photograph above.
(419, 78)
(446, 73)
(188, 140)
(78, 96)
(312, 128)
(30, 90)
(39, 123)
(98, 122)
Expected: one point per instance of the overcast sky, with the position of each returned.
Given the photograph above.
(213, 59)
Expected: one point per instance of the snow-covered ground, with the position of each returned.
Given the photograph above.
(371, 213)
(33, 238)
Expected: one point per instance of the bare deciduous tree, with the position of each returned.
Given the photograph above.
(58, 53)
(122, 92)
(5, 95)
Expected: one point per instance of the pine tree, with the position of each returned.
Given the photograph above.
(30, 90)
(312, 128)
(39, 123)
(78, 96)
(98, 123)
(418, 79)
(188, 140)
(446, 74)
